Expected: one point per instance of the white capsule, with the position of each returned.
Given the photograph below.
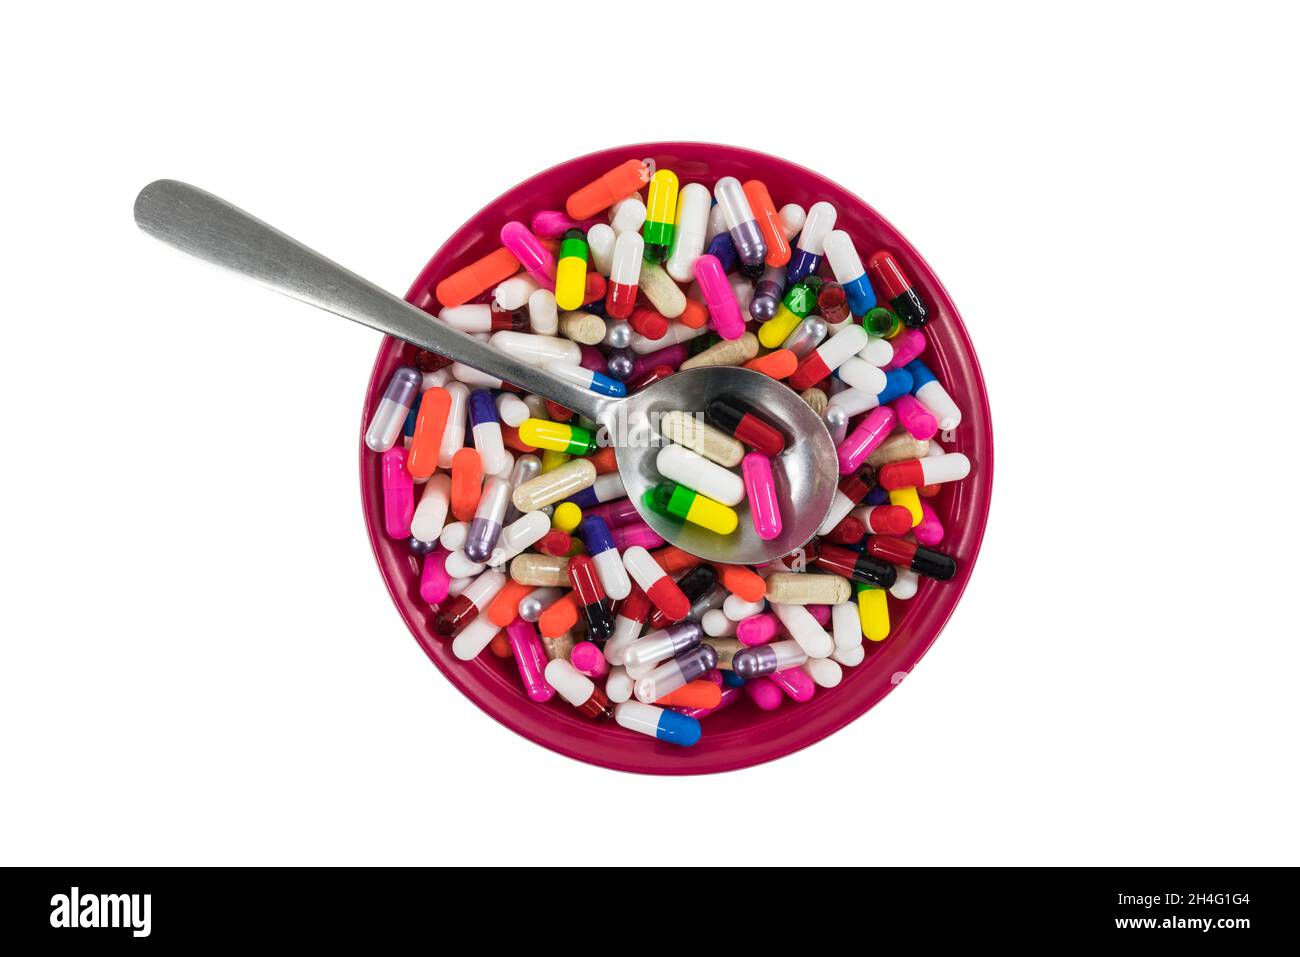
(690, 231)
(473, 377)
(737, 609)
(453, 433)
(471, 317)
(846, 624)
(528, 529)
(792, 219)
(570, 683)
(877, 351)
(905, 585)
(475, 636)
(514, 292)
(803, 628)
(844, 346)
(612, 574)
(453, 535)
(511, 409)
(717, 624)
(628, 250)
(854, 401)
(849, 657)
(693, 470)
(939, 403)
(491, 447)
(820, 221)
(627, 215)
(824, 672)
(618, 686)
(543, 314)
(600, 243)
(537, 350)
(460, 565)
(861, 374)
(431, 514)
(436, 379)
(717, 225)
(677, 332)
(843, 256)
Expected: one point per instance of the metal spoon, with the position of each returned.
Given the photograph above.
(208, 228)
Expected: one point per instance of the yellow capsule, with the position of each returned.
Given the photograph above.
(712, 515)
(774, 332)
(571, 270)
(566, 517)
(557, 436)
(907, 498)
(678, 501)
(873, 612)
(552, 460)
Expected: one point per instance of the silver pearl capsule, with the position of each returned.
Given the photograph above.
(620, 363)
(618, 335)
(837, 421)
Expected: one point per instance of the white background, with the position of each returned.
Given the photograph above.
(200, 662)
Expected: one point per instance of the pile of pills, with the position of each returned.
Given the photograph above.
(531, 549)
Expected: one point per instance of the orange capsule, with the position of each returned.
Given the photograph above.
(501, 646)
(620, 182)
(504, 608)
(466, 483)
(559, 617)
(510, 436)
(673, 560)
(422, 456)
(695, 315)
(595, 288)
(925, 491)
(604, 460)
(741, 581)
(700, 693)
(478, 277)
(769, 222)
(779, 364)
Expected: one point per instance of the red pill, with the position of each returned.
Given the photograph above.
(922, 560)
(742, 421)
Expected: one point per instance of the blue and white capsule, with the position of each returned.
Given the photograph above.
(609, 564)
(807, 256)
(655, 722)
(485, 426)
(596, 382)
(849, 272)
(930, 392)
(854, 401)
(606, 488)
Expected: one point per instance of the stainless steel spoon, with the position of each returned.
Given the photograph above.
(208, 228)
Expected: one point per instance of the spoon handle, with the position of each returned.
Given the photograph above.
(208, 228)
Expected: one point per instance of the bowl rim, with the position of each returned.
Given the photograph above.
(525, 717)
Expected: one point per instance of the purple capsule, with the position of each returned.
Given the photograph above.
(485, 529)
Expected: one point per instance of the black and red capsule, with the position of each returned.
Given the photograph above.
(597, 608)
(859, 567)
(743, 422)
(922, 560)
(898, 290)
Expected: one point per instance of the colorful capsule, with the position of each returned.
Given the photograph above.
(489, 517)
(741, 223)
(395, 404)
(632, 613)
(594, 604)
(741, 421)
(426, 441)
(583, 378)
(898, 290)
(909, 499)
(571, 272)
(768, 293)
(915, 417)
(661, 215)
(836, 351)
(577, 689)
(557, 436)
(685, 504)
(690, 231)
(847, 266)
(874, 428)
(624, 275)
(855, 566)
(599, 543)
(882, 322)
(800, 299)
(606, 488)
(482, 317)
(530, 658)
(767, 659)
(642, 655)
(456, 613)
(760, 490)
(873, 611)
(536, 259)
(660, 723)
(399, 493)
(931, 393)
(769, 223)
(549, 487)
(719, 296)
(930, 470)
(884, 519)
(675, 673)
(477, 278)
(600, 194)
(807, 256)
(537, 350)
(918, 558)
(685, 467)
(485, 426)
(658, 587)
(852, 489)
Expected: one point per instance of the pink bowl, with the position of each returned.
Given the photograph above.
(741, 735)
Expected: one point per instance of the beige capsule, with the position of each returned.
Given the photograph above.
(816, 399)
(558, 647)
(582, 327)
(899, 448)
(726, 649)
(573, 476)
(728, 352)
(540, 571)
(696, 434)
(664, 294)
(796, 588)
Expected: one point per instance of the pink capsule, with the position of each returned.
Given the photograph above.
(795, 683)
(908, 344)
(530, 657)
(915, 417)
(399, 493)
(719, 297)
(930, 531)
(758, 629)
(435, 583)
(635, 532)
(766, 695)
(553, 224)
(530, 252)
(862, 441)
(821, 614)
(589, 659)
(760, 489)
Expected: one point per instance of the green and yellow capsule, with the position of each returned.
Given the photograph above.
(571, 271)
(685, 504)
(660, 214)
(557, 436)
(800, 299)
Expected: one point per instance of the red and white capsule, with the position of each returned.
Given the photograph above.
(931, 470)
